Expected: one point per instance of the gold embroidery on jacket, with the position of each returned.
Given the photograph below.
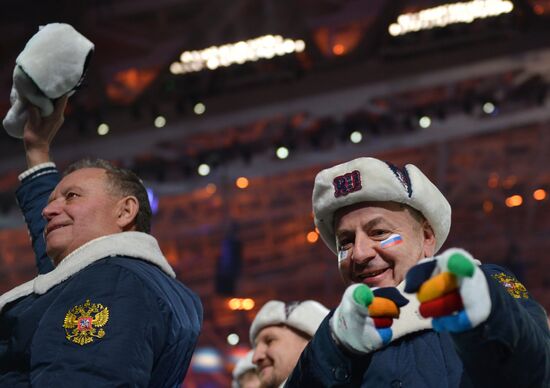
(84, 323)
(512, 285)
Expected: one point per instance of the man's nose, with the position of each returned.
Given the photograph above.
(258, 354)
(363, 249)
(51, 210)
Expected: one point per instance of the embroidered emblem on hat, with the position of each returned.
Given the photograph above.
(403, 176)
(84, 323)
(347, 183)
(512, 285)
(290, 307)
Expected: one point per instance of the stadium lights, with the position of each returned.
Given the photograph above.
(246, 304)
(443, 15)
(356, 137)
(233, 339)
(203, 169)
(103, 129)
(425, 122)
(264, 47)
(282, 152)
(160, 121)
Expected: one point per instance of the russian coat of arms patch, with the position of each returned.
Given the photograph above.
(84, 323)
(512, 285)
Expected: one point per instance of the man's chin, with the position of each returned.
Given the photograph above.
(268, 379)
(55, 254)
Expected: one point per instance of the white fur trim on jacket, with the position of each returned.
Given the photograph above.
(129, 244)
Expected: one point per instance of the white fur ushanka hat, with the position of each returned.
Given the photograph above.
(370, 179)
(52, 64)
(243, 365)
(304, 316)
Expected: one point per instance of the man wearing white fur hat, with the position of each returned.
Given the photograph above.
(409, 318)
(245, 373)
(279, 333)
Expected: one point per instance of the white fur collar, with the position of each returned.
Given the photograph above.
(130, 244)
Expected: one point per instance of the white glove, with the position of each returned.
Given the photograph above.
(451, 289)
(362, 321)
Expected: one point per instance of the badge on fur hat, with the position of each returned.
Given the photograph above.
(347, 183)
(402, 176)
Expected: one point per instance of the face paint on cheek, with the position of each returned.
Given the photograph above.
(342, 255)
(393, 240)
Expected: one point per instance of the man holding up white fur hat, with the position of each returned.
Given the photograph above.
(279, 333)
(409, 318)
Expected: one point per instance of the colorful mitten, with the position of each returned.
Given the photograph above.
(452, 290)
(362, 322)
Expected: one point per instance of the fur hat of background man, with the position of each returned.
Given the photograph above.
(243, 365)
(368, 180)
(303, 316)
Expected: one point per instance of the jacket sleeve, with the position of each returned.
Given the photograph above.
(512, 348)
(104, 329)
(32, 197)
(324, 364)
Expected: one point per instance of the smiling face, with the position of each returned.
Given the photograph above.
(378, 242)
(276, 353)
(81, 208)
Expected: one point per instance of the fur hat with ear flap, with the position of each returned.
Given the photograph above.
(243, 365)
(51, 65)
(303, 316)
(372, 180)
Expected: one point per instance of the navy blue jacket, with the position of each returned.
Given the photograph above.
(145, 323)
(511, 349)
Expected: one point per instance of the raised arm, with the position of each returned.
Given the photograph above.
(41, 177)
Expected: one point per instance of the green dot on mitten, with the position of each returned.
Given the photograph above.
(460, 265)
(363, 295)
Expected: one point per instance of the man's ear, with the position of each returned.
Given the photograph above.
(127, 211)
(429, 239)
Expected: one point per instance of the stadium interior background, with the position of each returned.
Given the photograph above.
(465, 98)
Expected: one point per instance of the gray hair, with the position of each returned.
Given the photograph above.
(123, 182)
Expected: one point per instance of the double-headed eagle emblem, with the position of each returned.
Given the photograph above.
(512, 285)
(84, 323)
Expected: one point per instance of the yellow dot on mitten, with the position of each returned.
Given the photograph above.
(437, 286)
(383, 307)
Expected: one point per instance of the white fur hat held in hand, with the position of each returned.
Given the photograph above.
(52, 64)
(304, 316)
(370, 179)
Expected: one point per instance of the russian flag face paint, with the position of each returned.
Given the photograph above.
(342, 255)
(391, 241)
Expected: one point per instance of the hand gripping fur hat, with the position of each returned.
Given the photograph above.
(370, 179)
(52, 64)
(304, 316)
(243, 365)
